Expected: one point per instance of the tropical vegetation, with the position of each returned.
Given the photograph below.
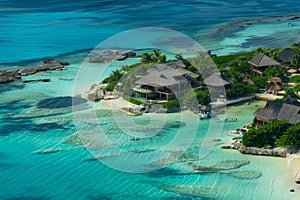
(266, 135)
(234, 67)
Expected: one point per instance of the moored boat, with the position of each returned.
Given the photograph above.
(235, 133)
(227, 119)
(204, 116)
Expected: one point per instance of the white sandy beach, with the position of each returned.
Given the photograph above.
(117, 104)
(294, 163)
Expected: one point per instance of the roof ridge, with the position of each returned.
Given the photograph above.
(262, 55)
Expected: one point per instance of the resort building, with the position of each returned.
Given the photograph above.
(274, 86)
(261, 62)
(217, 80)
(286, 56)
(164, 82)
(278, 111)
(219, 83)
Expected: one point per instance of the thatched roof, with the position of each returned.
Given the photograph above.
(279, 111)
(286, 55)
(205, 108)
(275, 80)
(248, 81)
(261, 60)
(176, 64)
(274, 87)
(162, 75)
(157, 79)
(290, 113)
(269, 112)
(217, 80)
(292, 100)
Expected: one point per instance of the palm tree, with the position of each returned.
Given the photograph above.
(146, 57)
(125, 68)
(116, 75)
(185, 61)
(162, 59)
(158, 57)
(179, 57)
(156, 53)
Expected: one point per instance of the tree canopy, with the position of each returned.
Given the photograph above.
(265, 135)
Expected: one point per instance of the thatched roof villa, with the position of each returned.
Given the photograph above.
(278, 111)
(217, 80)
(262, 62)
(274, 86)
(164, 82)
(286, 56)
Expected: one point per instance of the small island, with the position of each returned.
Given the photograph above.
(156, 84)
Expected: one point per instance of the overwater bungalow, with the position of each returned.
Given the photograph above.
(261, 62)
(277, 111)
(164, 82)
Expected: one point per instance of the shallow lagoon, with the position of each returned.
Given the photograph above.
(72, 174)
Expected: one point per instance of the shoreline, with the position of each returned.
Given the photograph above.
(293, 161)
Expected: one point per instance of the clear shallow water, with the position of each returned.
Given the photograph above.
(70, 174)
(32, 31)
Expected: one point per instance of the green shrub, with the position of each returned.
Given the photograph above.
(110, 87)
(126, 97)
(136, 102)
(260, 81)
(295, 79)
(297, 88)
(265, 135)
(171, 104)
(239, 89)
(194, 97)
(291, 137)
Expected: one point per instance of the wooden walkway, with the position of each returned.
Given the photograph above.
(231, 102)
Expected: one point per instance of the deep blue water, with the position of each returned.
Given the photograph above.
(38, 116)
(32, 29)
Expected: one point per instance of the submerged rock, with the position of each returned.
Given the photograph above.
(7, 76)
(221, 166)
(111, 55)
(194, 190)
(6, 79)
(60, 102)
(53, 61)
(50, 150)
(37, 80)
(245, 174)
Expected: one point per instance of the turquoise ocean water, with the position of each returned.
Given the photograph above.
(68, 29)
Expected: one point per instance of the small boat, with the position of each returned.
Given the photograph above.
(227, 119)
(204, 116)
(65, 79)
(50, 150)
(131, 112)
(235, 133)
